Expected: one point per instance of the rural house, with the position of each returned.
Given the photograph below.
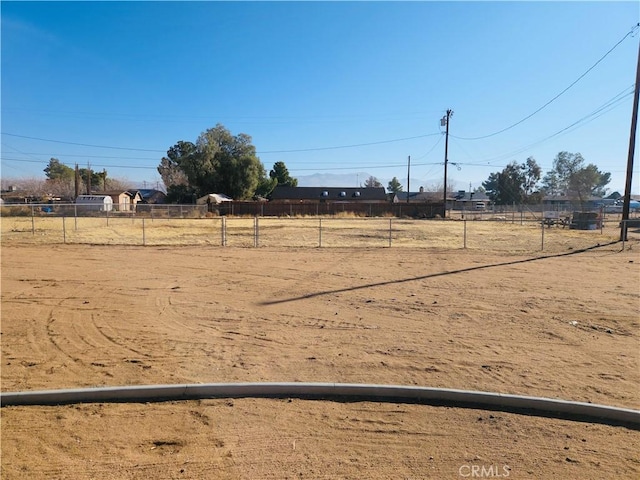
(328, 194)
(327, 200)
(150, 195)
(124, 201)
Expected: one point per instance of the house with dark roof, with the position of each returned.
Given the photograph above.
(470, 200)
(150, 195)
(417, 197)
(283, 194)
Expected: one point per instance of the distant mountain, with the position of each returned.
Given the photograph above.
(351, 180)
(333, 180)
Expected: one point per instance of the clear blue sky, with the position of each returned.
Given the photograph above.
(306, 76)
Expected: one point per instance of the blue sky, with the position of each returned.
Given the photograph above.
(303, 77)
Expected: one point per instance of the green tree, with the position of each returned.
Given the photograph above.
(169, 168)
(532, 173)
(280, 173)
(218, 162)
(94, 179)
(516, 183)
(58, 171)
(556, 181)
(181, 193)
(372, 182)
(265, 187)
(394, 186)
(570, 176)
(588, 181)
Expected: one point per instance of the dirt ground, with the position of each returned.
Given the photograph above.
(563, 326)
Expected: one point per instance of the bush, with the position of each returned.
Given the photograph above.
(17, 211)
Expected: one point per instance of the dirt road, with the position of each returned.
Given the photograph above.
(563, 326)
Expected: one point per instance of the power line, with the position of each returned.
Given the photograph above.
(20, 160)
(23, 160)
(349, 146)
(260, 152)
(607, 106)
(55, 155)
(601, 110)
(81, 144)
(431, 149)
(632, 31)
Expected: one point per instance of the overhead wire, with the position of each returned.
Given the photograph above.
(259, 152)
(81, 144)
(349, 146)
(631, 32)
(601, 110)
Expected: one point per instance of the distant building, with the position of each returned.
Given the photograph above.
(99, 203)
(151, 196)
(463, 200)
(420, 196)
(124, 200)
(328, 194)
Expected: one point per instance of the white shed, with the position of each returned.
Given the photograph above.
(101, 203)
(213, 198)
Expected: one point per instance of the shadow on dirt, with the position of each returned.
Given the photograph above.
(433, 275)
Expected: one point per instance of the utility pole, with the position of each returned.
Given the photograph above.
(88, 178)
(445, 122)
(408, 176)
(77, 182)
(632, 146)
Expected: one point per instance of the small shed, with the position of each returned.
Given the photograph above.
(124, 200)
(98, 203)
(213, 199)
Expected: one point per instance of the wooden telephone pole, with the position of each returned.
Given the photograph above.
(408, 176)
(445, 122)
(632, 146)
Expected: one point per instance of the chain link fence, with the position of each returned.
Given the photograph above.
(514, 231)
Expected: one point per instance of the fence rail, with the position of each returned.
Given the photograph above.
(304, 209)
(512, 232)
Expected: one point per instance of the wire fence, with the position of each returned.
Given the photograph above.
(512, 232)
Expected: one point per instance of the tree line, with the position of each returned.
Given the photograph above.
(569, 176)
(220, 162)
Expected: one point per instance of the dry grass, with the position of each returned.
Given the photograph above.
(514, 236)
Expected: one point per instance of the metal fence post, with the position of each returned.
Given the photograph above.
(223, 231)
(255, 232)
(64, 230)
(601, 220)
(542, 228)
(320, 235)
(75, 217)
(465, 234)
(33, 222)
(390, 232)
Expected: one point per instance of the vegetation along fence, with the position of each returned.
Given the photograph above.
(193, 225)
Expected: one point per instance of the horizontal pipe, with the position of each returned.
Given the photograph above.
(539, 406)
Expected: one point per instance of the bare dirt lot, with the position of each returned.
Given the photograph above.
(554, 325)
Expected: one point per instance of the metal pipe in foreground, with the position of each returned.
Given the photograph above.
(539, 406)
